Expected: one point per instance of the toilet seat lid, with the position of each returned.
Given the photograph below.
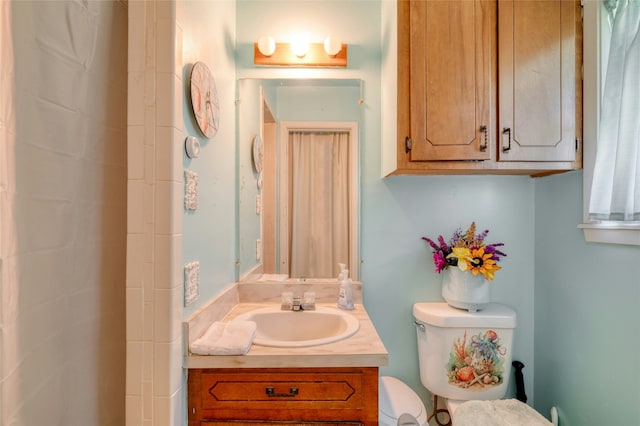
(396, 398)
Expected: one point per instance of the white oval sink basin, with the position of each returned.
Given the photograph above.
(288, 329)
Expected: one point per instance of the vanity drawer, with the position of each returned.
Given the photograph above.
(282, 390)
(276, 423)
(302, 394)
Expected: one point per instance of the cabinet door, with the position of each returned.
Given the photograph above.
(537, 80)
(452, 46)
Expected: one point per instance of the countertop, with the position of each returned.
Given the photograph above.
(363, 349)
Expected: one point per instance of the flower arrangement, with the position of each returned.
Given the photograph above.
(468, 251)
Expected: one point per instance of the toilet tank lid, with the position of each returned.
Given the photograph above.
(493, 315)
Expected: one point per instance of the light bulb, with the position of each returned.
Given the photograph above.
(332, 45)
(299, 46)
(266, 45)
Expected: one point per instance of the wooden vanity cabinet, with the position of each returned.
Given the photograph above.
(489, 86)
(275, 396)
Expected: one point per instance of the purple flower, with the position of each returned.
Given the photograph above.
(439, 259)
(480, 237)
(491, 248)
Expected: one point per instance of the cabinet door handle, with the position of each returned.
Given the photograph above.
(484, 130)
(408, 145)
(271, 392)
(506, 131)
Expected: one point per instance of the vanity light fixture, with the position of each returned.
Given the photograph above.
(300, 53)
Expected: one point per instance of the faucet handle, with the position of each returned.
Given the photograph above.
(309, 303)
(286, 303)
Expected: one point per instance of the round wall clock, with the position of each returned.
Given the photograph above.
(204, 99)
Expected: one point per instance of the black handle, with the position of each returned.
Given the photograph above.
(506, 131)
(484, 130)
(271, 391)
(520, 394)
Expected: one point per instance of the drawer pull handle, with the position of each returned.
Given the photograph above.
(270, 391)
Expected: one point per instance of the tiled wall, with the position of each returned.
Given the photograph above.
(154, 245)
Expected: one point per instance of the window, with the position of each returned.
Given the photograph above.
(597, 38)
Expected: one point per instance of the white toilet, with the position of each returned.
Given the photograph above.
(465, 360)
(462, 355)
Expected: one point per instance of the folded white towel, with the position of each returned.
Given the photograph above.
(225, 338)
(507, 412)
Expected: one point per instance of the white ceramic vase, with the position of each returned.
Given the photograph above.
(463, 290)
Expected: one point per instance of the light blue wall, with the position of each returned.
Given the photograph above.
(209, 232)
(587, 315)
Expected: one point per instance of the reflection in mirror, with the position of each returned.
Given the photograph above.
(299, 216)
(318, 172)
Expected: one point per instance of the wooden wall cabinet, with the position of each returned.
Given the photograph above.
(277, 396)
(489, 86)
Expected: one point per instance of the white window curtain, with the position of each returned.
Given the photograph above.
(319, 195)
(615, 192)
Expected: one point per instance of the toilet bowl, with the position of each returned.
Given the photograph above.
(395, 398)
(452, 405)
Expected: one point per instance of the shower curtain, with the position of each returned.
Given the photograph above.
(318, 200)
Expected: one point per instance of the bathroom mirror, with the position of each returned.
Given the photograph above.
(298, 216)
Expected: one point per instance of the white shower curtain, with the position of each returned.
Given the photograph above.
(615, 192)
(318, 200)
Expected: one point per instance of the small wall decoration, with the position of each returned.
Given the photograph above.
(478, 364)
(204, 99)
(192, 147)
(191, 282)
(190, 190)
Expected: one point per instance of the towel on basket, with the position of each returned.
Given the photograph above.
(225, 338)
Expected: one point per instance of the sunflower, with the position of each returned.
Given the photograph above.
(482, 263)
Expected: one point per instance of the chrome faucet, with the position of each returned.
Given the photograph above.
(296, 303)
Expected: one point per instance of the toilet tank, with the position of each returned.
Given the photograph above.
(464, 355)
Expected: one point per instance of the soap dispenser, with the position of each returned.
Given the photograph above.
(345, 295)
